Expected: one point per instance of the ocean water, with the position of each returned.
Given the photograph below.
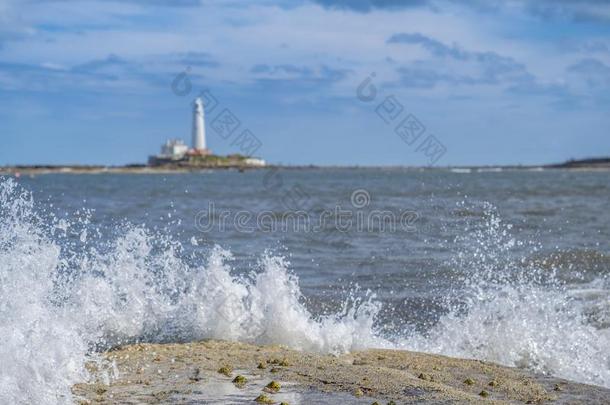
(506, 266)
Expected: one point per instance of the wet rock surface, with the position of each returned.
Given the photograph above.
(190, 374)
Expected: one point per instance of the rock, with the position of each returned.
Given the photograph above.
(263, 399)
(240, 380)
(273, 386)
(283, 362)
(226, 370)
(397, 380)
(469, 381)
(425, 377)
(196, 375)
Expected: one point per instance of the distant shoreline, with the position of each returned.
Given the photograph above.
(598, 164)
(128, 169)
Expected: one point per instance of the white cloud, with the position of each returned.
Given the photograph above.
(239, 37)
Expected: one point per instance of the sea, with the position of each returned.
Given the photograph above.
(507, 266)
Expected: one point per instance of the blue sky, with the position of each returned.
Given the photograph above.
(492, 82)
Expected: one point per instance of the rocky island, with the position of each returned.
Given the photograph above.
(208, 161)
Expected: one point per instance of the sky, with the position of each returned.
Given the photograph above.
(328, 82)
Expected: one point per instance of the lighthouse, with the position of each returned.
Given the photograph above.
(175, 152)
(199, 127)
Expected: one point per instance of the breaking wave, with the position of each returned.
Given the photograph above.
(65, 297)
(523, 312)
(61, 305)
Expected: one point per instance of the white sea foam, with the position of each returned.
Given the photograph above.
(60, 306)
(521, 315)
(543, 330)
(42, 350)
(57, 307)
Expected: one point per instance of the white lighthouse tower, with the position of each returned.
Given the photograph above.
(199, 145)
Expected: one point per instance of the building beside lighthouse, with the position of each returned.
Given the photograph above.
(174, 149)
(176, 152)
